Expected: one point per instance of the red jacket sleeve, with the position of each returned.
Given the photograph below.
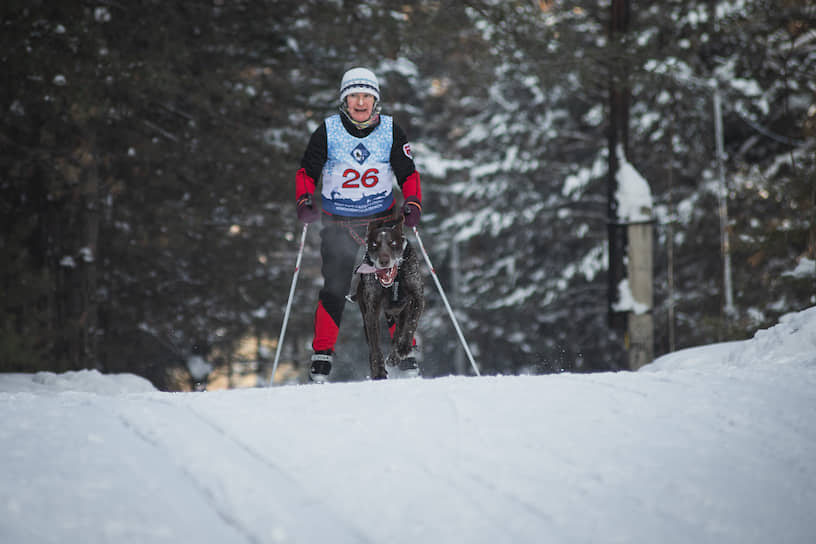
(402, 161)
(411, 186)
(304, 184)
(311, 165)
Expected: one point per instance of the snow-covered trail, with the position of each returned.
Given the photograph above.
(670, 455)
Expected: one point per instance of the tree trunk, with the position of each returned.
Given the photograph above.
(88, 256)
(73, 241)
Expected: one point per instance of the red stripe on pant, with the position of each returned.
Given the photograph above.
(325, 330)
(393, 328)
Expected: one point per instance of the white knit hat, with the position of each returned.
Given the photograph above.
(359, 80)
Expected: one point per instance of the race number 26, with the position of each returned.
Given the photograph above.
(353, 179)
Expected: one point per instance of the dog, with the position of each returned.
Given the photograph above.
(390, 283)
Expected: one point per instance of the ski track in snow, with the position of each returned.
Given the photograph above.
(90, 447)
(254, 512)
(158, 439)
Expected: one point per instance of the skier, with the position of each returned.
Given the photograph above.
(359, 153)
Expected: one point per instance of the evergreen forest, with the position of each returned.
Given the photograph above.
(148, 152)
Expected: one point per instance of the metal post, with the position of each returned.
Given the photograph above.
(725, 243)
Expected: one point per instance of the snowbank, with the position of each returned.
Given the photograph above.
(791, 343)
(84, 381)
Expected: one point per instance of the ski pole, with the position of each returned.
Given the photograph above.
(447, 305)
(288, 304)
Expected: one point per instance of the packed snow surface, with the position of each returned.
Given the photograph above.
(713, 444)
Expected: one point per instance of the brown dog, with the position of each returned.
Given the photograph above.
(390, 283)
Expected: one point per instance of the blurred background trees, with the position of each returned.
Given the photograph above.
(148, 152)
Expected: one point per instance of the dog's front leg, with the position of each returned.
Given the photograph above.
(402, 344)
(375, 354)
(370, 310)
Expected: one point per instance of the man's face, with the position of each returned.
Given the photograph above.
(360, 106)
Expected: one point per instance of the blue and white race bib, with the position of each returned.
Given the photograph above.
(357, 177)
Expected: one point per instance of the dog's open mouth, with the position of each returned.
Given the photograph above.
(387, 275)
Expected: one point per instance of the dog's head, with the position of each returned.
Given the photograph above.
(385, 245)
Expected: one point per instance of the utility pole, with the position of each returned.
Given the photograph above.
(617, 135)
(640, 273)
(629, 211)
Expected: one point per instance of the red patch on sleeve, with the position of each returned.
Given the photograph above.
(407, 150)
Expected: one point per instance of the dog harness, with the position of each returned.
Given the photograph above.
(352, 224)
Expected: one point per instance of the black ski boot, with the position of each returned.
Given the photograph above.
(408, 367)
(321, 366)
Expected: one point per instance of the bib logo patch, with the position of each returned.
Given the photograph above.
(407, 150)
(360, 153)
